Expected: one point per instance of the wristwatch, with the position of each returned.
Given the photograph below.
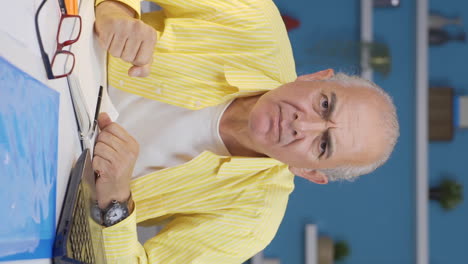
(96, 213)
(114, 213)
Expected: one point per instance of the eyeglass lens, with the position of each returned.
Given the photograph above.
(69, 32)
(63, 63)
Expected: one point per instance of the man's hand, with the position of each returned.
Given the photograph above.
(125, 37)
(115, 155)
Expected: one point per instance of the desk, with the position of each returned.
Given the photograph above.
(19, 46)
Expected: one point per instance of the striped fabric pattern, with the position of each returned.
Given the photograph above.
(209, 52)
(221, 209)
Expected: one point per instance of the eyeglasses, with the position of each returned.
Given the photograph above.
(63, 61)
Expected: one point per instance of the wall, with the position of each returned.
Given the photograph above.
(448, 65)
(376, 213)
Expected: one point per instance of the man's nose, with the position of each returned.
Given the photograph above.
(307, 125)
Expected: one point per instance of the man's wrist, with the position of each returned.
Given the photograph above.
(119, 195)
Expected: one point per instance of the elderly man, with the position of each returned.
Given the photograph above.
(210, 139)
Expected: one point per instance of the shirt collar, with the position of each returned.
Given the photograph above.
(242, 166)
(249, 81)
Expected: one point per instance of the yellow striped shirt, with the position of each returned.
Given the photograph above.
(222, 209)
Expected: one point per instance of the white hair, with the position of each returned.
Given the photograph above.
(389, 122)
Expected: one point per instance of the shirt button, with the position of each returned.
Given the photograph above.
(121, 82)
(197, 104)
(158, 90)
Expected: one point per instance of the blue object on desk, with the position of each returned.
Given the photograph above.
(28, 165)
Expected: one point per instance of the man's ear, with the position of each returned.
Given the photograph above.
(317, 76)
(314, 176)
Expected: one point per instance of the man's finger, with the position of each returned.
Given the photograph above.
(117, 131)
(103, 166)
(106, 41)
(104, 120)
(145, 54)
(112, 141)
(102, 38)
(140, 71)
(117, 45)
(106, 152)
(130, 51)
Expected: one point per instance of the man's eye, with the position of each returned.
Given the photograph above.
(323, 147)
(324, 103)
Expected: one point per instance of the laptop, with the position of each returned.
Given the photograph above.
(79, 237)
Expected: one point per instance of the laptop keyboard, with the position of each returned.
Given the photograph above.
(81, 247)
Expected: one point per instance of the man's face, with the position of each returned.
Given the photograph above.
(318, 125)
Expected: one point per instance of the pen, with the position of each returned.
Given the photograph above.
(71, 6)
(98, 108)
(96, 114)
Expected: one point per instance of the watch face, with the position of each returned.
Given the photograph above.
(115, 214)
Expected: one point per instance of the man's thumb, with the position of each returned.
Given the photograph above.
(104, 120)
(140, 71)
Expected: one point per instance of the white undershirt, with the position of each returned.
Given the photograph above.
(168, 135)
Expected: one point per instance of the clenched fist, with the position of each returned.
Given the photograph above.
(115, 154)
(125, 37)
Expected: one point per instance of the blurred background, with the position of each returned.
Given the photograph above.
(375, 216)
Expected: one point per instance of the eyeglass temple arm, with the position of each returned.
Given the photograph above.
(45, 56)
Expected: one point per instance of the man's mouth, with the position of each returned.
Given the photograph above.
(280, 119)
